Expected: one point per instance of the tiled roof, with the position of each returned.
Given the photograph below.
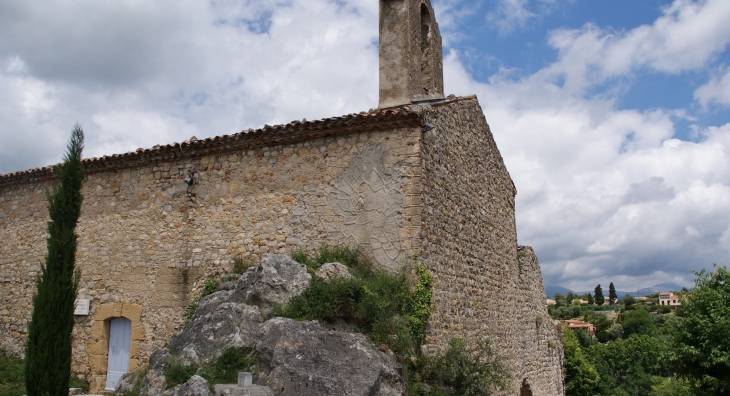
(293, 132)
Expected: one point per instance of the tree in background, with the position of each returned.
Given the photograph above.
(598, 295)
(612, 297)
(629, 302)
(702, 334)
(588, 297)
(637, 321)
(48, 348)
(570, 297)
(581, 377)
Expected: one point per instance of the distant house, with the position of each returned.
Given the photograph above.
(574, 324)
(670, 299)
(550, 301)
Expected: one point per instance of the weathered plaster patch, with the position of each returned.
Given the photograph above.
(366, 203)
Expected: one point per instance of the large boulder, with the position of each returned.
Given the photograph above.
(195, 386)
(214, 327)
(274, 281)
(231, 317)
(308, 358)
(330, 271)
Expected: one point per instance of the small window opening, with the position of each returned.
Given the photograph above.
(426, 69)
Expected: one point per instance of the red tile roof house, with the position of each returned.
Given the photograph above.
(670, 299)
(581, 325)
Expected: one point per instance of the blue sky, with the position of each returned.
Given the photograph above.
(613, 117)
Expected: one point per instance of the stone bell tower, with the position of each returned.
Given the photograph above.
(411, 62)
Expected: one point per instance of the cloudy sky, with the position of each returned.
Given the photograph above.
(613, 116)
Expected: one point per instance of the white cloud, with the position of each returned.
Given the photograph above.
(603, 191)
(716, 90)
(208, 68)
(515, 15)
(685, 37)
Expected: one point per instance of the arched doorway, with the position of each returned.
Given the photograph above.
(120, 337)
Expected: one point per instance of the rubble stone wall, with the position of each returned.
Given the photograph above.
(469, 243)
(146, 240)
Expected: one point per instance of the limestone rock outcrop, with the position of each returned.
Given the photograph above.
(293, 357)
(307, 358)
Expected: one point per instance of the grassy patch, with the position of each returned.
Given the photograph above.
(241, 264)
(352, 257)
(11, 375)
(460, 370)
(388, 308)
(176, 372)
(222, 370)
(211, 286)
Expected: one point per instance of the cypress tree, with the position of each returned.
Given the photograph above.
(598, 296)
(612, 297)
(48, 348)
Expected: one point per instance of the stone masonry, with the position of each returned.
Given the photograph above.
(422, 179)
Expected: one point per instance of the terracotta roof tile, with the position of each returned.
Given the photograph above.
(293, 132)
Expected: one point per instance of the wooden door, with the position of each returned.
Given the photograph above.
(120, 335)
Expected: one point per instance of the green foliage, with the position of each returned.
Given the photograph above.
(12, 381)
(209, 287)
(225, 368)
(420, 304)
(702, 334)
(352, 257)
(48, 347)
(588, 297)
(637, 321)
(598, 295)
(384, 306)
(221, 370)
(670, 387)
(460, 370)
(612, 297)
(629, 366)
(241, 265)
(581, 378)
(565, 312)
(176, 372)
(629, 302)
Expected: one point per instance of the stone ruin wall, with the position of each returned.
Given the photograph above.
(483, 290)
(145, 245)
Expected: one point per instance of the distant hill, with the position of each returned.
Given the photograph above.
(550, 290)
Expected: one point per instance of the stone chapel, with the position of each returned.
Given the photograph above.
(420, 175)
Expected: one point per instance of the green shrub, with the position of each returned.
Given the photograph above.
(241, 265)
(12, 377)
(12, 380)
(176, 372)
(460, 370)
(224, 369)
(387, 307)
(352, 257)
(221, 370)
(211, 286)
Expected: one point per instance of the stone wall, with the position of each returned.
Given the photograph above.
(147, 240)
(470, 245)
